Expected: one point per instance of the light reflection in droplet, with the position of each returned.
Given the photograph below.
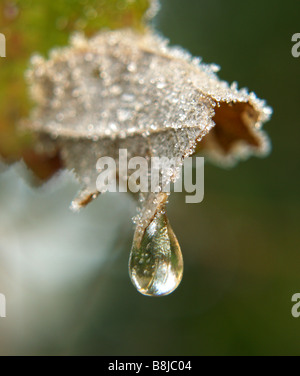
(156, 263)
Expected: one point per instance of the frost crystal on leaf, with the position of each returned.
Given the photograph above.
(153, 9)
(126, 90)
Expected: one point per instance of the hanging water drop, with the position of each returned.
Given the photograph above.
(156, 263)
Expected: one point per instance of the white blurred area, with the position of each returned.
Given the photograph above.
(48, 256)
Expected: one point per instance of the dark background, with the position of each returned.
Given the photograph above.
(240, 246)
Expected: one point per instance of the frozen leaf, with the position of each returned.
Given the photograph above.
(37, 26)
(237, 132)
(130, 90)
(127, 90)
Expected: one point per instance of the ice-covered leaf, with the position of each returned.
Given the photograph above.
(130, 90)
(37, 26)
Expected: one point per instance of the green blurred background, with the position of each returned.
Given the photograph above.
(65, 276)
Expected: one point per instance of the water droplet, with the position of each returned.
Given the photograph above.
(160, 272)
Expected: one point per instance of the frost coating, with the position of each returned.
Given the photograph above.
(122, 89)
(115, 85)
(153, 9)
